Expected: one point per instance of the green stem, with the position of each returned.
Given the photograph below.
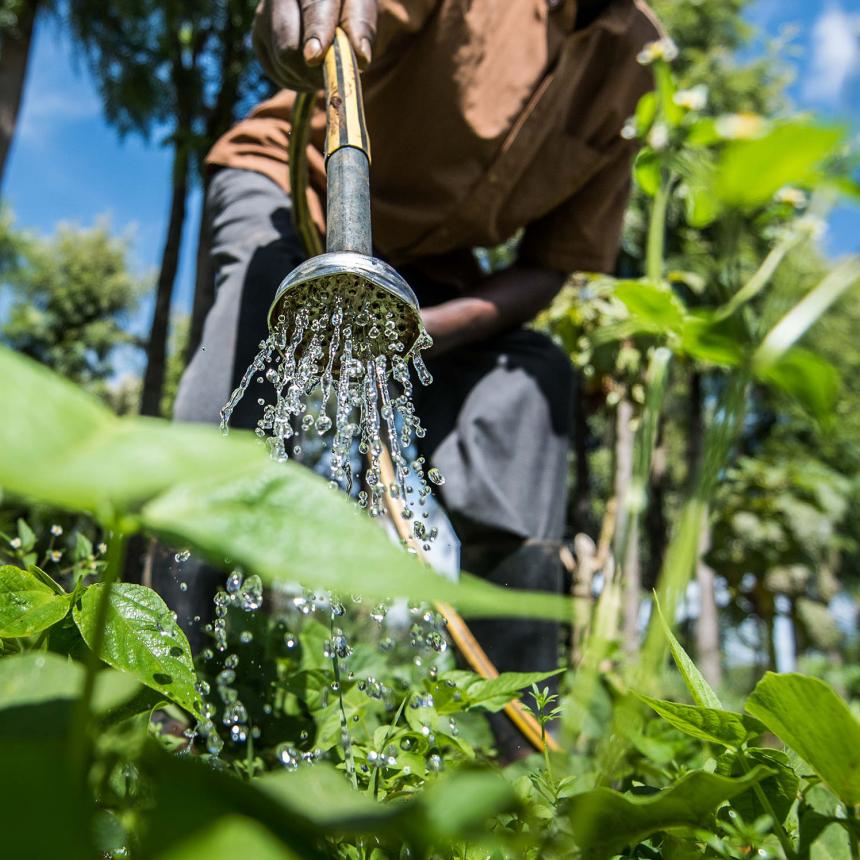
(781, 835)
(80, 741)
(656, 233)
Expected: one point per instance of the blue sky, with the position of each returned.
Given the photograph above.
(68, 165)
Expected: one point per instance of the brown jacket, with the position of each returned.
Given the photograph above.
(485, 116)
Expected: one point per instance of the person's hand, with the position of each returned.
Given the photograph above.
(291, 37)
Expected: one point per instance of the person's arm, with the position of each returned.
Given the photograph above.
(500, 302)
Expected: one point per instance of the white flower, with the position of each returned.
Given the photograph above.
(658, 137)
(628, 130)
(693, 99)
(814, 226)
(56, 530)
(15, 543)
(794, 196)
(55, 554)
(662, 49)
(102, 548)
(740, 126)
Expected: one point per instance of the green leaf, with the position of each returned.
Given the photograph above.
(816, 723)
(26, 535)
(702, 692)
(652, 308)
(810, 379)
(604, 821)
(35, 677)
(647, 171)
(780, 788)
(705, 337)
(708, 724)
(61, 447)
(228, 838)
(284, 522)
(27, 605)
(143, 638)
(44, 813)
(492, 694)
(750, 172)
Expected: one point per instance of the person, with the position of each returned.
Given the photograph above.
(488, 119)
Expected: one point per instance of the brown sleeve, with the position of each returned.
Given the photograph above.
(399, 19)
(583, 234)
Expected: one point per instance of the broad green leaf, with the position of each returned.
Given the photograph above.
(810, 379)
(604, 821)
(646, 111)
(647, 171)
(27, 605)
(285, 523)
(702, 692)
(36, 676)
(460, 804)
(26, 535)
(707, 724)
(816, 723)
(492, 694)
(750, 172)
(324, 796)
(60, 446)
(187, 796)
(229, 838)
(142, 638)
(651, 307)
(780, 788)
(44, 813)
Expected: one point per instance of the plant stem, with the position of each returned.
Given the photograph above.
(656, 233)
(781, 835)
(79, 740)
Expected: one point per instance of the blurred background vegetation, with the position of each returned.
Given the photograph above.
(779, 572)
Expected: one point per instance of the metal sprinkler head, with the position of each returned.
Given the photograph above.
(359, 284)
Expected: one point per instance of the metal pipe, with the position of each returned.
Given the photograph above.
(348, 202)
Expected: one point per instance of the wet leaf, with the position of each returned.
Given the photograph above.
(27, 605)
(143, 638)
(816, 723)
(492, 694)
(604, 821)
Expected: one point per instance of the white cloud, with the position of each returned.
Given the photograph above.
(835, 55)
(44, 112)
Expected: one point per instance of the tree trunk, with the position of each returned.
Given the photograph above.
(204, 283)
(708, 622)
(14, 58)
(626, 529)
(156, 350)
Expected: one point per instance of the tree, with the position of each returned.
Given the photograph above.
(72, 296)
(179, 66)
(17, 19)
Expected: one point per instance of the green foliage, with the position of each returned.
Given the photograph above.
(72, 298)
(28, 605)
(806, 714)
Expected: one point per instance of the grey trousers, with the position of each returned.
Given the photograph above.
(497, 416)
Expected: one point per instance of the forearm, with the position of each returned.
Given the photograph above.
(500, 302)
